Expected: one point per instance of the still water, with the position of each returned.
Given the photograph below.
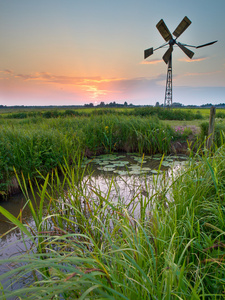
(133, 179)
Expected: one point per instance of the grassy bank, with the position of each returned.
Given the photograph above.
(37, 144)
(91, 247)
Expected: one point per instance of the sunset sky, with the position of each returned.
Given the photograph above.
(72, 52)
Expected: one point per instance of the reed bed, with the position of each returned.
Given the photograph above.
(37, 144)
(86, 246)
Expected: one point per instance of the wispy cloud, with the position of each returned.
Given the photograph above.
(201, 74)
(8, 71)
(94, 88)
(185, 59)
(151, 62)
(51, 78)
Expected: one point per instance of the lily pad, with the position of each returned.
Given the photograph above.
(139, 160)
(108, 169)
(135, 172)
(157, 158)
(134, 166)
(166, 164)
(146, 169)
(155, 171)
(121, 172)
(108, 166)
(147, 157)
(101, 163)
(169, 159)
(121, 163)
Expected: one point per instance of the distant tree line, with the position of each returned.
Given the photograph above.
(111, 104)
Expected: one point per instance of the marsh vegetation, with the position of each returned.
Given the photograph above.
(165, 241)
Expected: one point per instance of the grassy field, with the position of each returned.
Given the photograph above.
(8, 110)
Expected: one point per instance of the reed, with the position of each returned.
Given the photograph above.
(36, 144)
(92, 247)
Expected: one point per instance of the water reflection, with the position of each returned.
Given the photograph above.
(117, 178)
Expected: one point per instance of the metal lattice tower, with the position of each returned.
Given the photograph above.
(169, 90)
(167, 57)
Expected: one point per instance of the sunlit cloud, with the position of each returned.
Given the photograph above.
(201, 74)
(89, 85)
(94, 91)
(92, 86)
(185, 59)
(51, 78)
(151, 62)
(103, 80)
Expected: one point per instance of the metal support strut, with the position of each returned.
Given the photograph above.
(168, 94)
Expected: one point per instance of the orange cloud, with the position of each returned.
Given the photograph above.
(185, 59)
(151, 62)
(94, 86)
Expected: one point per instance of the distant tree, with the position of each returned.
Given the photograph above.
(89, 105)
(125, 104)
(176, 104)
(157, 104)
(102, 104)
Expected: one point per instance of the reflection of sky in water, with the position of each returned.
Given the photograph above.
(123, 189)
(132, 190)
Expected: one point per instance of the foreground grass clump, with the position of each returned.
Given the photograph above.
(166, 242)
(41, 144)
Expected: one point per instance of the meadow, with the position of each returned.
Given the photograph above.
(86, 246)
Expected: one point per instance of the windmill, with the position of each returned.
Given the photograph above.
(167, 57)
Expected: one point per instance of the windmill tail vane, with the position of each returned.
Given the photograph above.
(167, 57)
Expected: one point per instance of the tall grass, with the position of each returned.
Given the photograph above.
(91, 247)
(41, 144)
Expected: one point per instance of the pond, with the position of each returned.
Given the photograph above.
(132, 175)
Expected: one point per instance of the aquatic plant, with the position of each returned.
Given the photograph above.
(91, 247)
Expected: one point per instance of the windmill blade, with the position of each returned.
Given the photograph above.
(182, 27)
(164, 31)
(188, 52)
(148, 52)
(208, 44)
(167, 55)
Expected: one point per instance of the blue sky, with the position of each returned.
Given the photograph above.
(68, 52)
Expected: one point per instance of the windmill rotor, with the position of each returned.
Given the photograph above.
(167, 57)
